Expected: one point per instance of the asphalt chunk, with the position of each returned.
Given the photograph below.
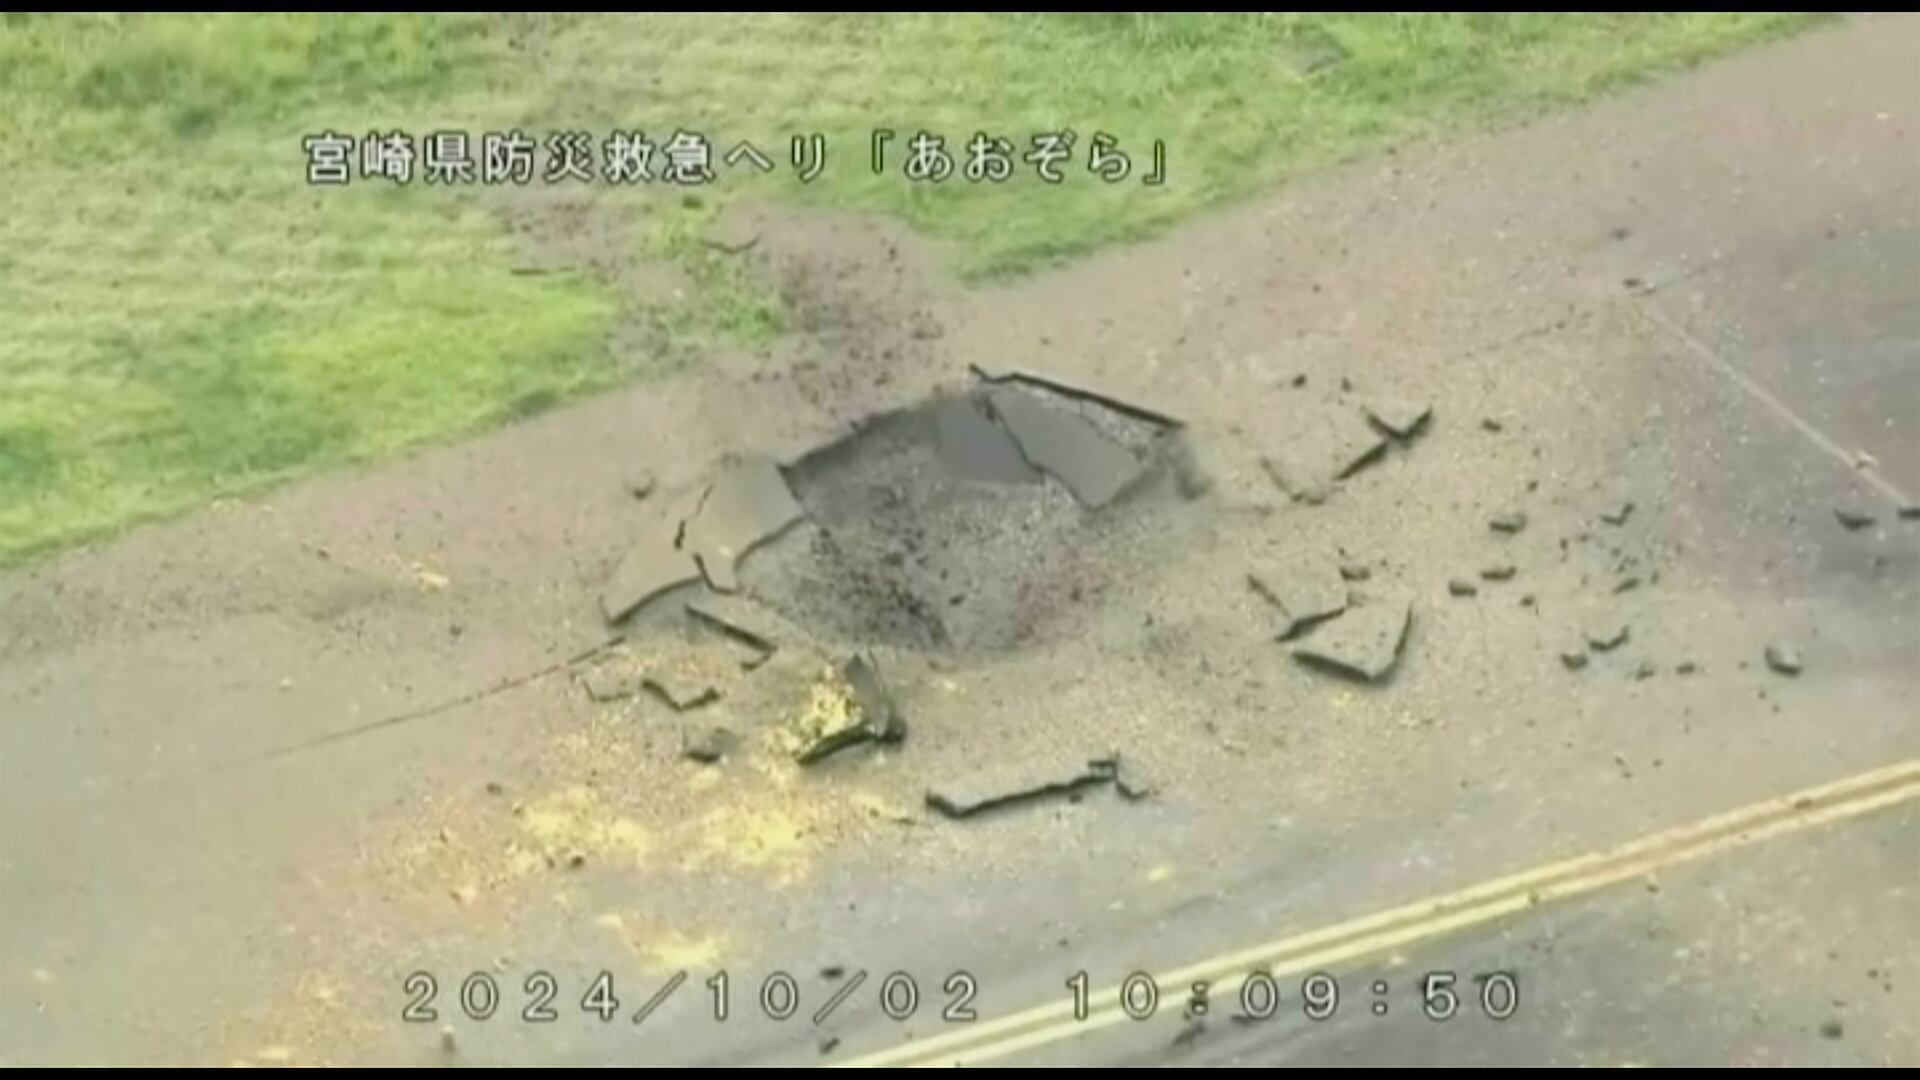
(640, 483)
(1398, 417)
(1462, 587)
(1605, 639)
(1618, 515)
(1354, 571)
(1646, 670)
(1499, 572)
(1851, 519)
(1574, 659)
(1784, 659)
(748, 505)
(847, 705)
(1021, 781)
(709, 745)
(972, 446)
(1490, 424)
(1508, 522)
(1093, 467)
(1305, 592)
(1362, 644)
(1685, 667)
(1626, 584)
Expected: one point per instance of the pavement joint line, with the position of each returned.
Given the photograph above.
(1434, 917)
(1773, 404)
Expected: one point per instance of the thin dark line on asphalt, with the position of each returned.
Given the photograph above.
(1773, 404)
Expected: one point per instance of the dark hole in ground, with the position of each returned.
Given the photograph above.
(931, 529)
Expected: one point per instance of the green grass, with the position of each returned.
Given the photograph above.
(181, 317)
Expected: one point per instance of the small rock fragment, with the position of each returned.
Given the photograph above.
(1020, 781)
(1607, 639)
(1783, 658)
(1462, 587)
(1685, 667)
(709, 746)
(641, 484)
(1626, 584)
(1574, 660)
(1354, 571)
(1618, 515)
(447, 1043)
(829, 1044)
(1499, 572)
(1362, 644)
(1529, 600)
(833, 971)
(1910, 512)
(1299, 380)
(1646, 670)
(1851, 519)
(1490, 424)
(1508, 521)
(1832, 1028)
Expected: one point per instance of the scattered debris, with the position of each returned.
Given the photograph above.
(1832, 1028)
(1499, 572)
(1354, 571)
(1783, 658)
(748, 505)
(837, 714)
(1397, 416)
(1574, 660)
(641, 484)
(1508, 521)
(1607, 640)
(1364, 643)
(709, 746)
(1490, 424)
(1851, 519)
(1019, 782)
(1306, 592)
(1618, 515)
(1093, 467)
(1627, 584)
(1462, 587)
(1685, 667)
(974, 447)
(1646, 670)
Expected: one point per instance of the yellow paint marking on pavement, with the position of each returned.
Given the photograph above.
(1398, 927)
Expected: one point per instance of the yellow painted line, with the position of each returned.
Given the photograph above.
(1398, 927)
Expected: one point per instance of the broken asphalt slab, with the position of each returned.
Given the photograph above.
(1364, 643)
(754, 625)
(1093, 467)
(748, 505)
(1319, 446)
(973, 447)
(1305, 591)
(1018, 782)
(1081, 393)
(654, 565)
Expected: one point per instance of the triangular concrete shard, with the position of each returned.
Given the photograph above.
(1399, 417)
(1093, 467)
(1304, 591)
(748, 505)
(973, 447)
(653, 566)
(1362, 644)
